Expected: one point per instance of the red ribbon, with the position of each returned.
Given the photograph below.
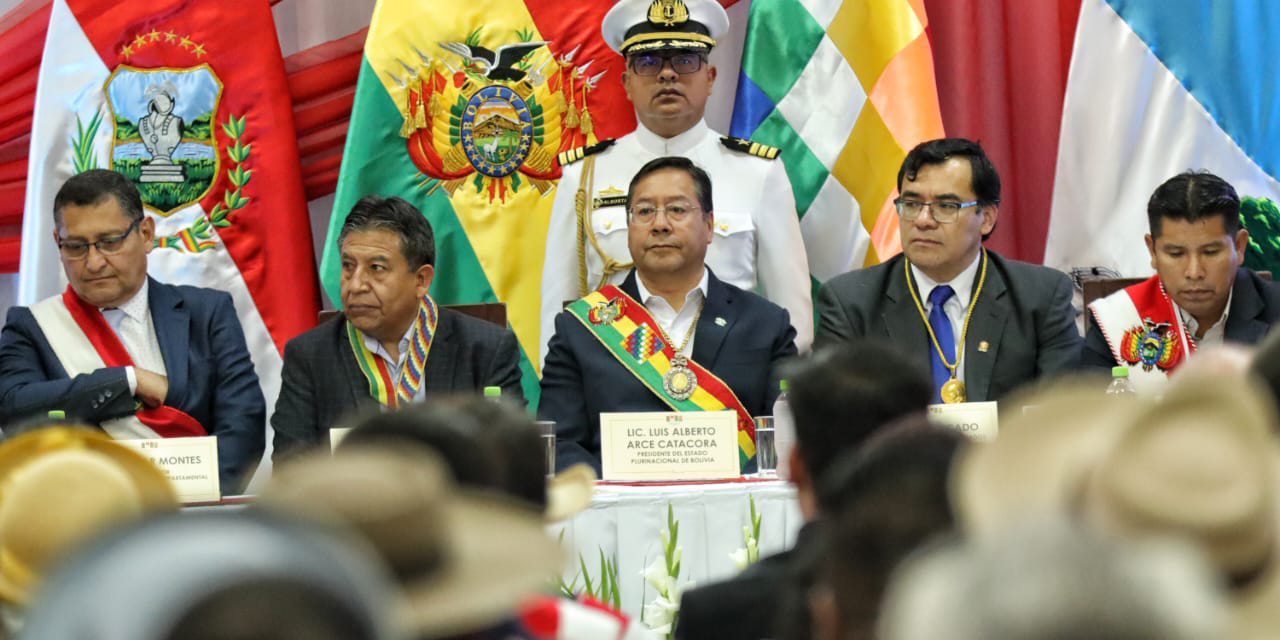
(166, 421)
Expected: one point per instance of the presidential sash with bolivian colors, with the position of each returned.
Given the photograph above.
(1143, 330)
(389, 390)
(632, 336)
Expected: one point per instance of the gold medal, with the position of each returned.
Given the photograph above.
(679, 381)
(953, 391)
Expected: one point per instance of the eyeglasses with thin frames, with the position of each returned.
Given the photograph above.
(650, 64)
(675, 212)
(944, 212)
(106, 245)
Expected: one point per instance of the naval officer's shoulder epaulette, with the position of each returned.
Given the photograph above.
(754, 148)
(573, 155)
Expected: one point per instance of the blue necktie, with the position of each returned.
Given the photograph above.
(946, 338)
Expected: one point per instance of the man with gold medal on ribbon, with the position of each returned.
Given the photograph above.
(672, 336)
(392, 345)
(986, 324)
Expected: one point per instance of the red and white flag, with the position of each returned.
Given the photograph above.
(189, 100)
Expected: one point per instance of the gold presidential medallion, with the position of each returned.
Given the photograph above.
(953, 391)
(679, 381)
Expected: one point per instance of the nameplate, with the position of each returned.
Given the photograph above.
(190, 463)
(978, 420)
(683, 445)
(337, 435)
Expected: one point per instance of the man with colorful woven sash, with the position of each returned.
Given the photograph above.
(137, 357)
(668, 79)
(1200, 293)
(985, 324)
(671, 336)
(392, 345)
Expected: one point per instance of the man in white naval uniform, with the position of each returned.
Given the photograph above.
(757, 244)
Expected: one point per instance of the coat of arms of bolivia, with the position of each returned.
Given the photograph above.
(494, 118)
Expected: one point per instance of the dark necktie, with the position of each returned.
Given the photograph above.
(946, 338)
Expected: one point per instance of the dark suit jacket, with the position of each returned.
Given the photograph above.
(321, 382)
(211, 377)
(1024, 315)
(751, 604)
(581, 378)
(1255, 306)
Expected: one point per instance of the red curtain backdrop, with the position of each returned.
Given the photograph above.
(1001, 67)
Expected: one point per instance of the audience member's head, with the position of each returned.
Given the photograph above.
(219, 576)
(449, 432)
(1266, 364)
(840, 396)
(485, 444)
(513, 440)
(1196, 242)
(463, 559)
(1053, 581)
(879, 504)
(60, 487)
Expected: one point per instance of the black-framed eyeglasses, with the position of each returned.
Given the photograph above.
(676, 212)
(106, 245)
(650, 64)
(944, 212)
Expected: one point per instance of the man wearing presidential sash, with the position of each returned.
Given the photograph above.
(668, 80)
(140, 358)
(1200, 294)
(392, 345)
(671, 336)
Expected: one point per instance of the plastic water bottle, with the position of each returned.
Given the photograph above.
(784, 430)
(1120, 384)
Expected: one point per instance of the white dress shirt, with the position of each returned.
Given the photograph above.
(676, 324)
(132, 324)
(1216, 334)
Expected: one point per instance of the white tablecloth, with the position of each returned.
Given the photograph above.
(624, 522)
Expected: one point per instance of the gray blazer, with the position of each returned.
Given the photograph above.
(321, 382)
(1024, 315)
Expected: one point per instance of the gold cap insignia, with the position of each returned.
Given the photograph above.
(668, 13)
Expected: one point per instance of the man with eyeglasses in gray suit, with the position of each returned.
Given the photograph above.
(132, 355)
(985, 324)
(668, 79)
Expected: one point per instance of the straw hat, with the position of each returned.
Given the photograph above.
(1199, 464)
(61, 486)
(1041, 457)
(463, 559)
(1202, 464)
(569, 492)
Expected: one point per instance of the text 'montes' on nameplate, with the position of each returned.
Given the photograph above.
(190, 463)
(688, 445)
(978, 420)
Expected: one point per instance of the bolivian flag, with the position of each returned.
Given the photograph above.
(461, 108)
